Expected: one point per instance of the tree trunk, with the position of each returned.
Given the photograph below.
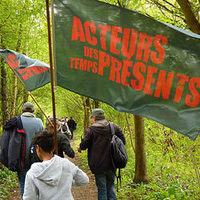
(15, 88)
(87, 108)
(25, 95)
(4, 93)
(189, 16)
(140, 154)
(96, 103)
(14, 96)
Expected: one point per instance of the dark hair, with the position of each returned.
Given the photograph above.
(45, 140)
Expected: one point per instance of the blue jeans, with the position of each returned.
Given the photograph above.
(106, 185)
(21, 178)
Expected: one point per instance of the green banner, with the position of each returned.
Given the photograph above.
(33, 73)
(132, 62)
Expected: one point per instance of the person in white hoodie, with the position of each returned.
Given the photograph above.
(52, 178)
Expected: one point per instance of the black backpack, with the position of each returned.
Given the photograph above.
(118, 153)
(117, 150)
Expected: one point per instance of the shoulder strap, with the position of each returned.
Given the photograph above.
(112, 128)
(118, 179)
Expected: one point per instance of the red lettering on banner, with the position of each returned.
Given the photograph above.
(145, 41)
(90, 52)
(89, 65)
(12, 62)
(161, 51)
(103, 32)
(83, 64)
(77, 30)
(38, 70)
(26, 73)
(180, 86)
(94, 69)
(104, 61)
(114, 40)
(149, 80)
(76, 63)
(139, 82)
(90, 26)
(163, 85)
(115, 69)
(193, 100)
(72, 63)
(125, 72)
(129, 52)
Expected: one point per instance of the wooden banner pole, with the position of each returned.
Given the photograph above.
(52, 75)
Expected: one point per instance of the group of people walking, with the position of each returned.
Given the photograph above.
(67, 127)
(47, 176)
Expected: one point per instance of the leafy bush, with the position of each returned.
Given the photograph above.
(8, 180)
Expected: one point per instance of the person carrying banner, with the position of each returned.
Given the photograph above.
(54, 176)
(72, 126)
(97, 140)
(31, 126)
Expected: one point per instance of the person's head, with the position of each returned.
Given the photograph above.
(44, 142)
(49, 124)
(98, 115)
(63, 119)
(28, 107)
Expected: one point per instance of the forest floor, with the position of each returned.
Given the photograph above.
(87, 192)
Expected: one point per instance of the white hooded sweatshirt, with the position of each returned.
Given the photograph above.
(53, 179)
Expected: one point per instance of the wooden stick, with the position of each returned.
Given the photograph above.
(130, 133)
(52, 77)
(195, 166)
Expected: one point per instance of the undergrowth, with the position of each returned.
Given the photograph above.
(8, 181)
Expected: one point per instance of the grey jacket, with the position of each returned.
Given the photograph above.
(53, 179)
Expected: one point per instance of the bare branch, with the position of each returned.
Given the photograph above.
(189, 16)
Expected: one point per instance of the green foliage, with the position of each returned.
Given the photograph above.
(8, 180)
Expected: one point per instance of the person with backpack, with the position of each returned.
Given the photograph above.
(97, 140)
(64, 127)
(72, 126)
(62, 141)
(54, 176)
(31, 125)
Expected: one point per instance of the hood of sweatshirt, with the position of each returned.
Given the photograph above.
(48, 171)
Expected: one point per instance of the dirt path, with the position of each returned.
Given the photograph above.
(87, 192)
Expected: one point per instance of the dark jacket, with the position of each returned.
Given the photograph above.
(13, 145)
(71, 124)
(97, 140)
(63, 145)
